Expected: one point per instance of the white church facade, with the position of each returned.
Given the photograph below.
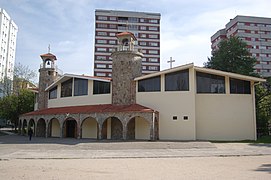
(181, 103)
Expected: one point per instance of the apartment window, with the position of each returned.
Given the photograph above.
(101, 33)
(101, 41)
(153, 43)
(144, 51)
(101, 65)
(132, 27)
(112, 42)
(112, 34)
(153, 59)
(240, 23)
(80, 87)
(153, 21)
(142, 43)
(144, 67)
(66, 88)
(263, 55)
(153, 36)
(150, 85)
(144, 59)
(112, 18)
(239, 86)
(112, 26)
(100, 74)
(153, 28)
(177, 81)
(101, 57)
(133, 19)
(153, 68)
(143, 35)
(101, 49)
(153, 52)
(142, 20)
(262, 47)
(99, 25)
(111, 49)
(241, 31)
(53, 93)
(143, 28)
(100, 87)
(103, 18)
(209, 83)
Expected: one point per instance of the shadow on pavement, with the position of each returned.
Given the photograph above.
(265, 168)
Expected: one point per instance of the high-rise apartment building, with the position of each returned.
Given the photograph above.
(8, 35)
(145, 27)
(256, 32)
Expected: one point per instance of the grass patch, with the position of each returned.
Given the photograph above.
(263, 139)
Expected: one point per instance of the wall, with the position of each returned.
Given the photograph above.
(224, 117)
(169, 104)
(89, 99)
(89, 128)
(55, 128)
(142, 129)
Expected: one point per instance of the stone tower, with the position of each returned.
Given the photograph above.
(126, 65)
(48, 74)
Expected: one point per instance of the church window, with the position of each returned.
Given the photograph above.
(150, 85)
(100, 87)
(239, 86)
(80, 87)
(66, 88)
(177, 81)
(53, 93)
(209, 83)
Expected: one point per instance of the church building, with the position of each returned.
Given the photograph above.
(182, 103)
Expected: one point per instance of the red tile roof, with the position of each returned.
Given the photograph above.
(126, 33)
(91, 109)
(48, 55)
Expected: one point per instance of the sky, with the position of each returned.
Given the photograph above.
(68, 26)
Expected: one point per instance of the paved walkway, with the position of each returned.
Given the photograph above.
(19, 147)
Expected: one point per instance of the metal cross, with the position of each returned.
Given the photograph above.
(171, 61)
(49, 48)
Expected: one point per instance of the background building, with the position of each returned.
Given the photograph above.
(145, 27)
(256, 32)
(8, 35)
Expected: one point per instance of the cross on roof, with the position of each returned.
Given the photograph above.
(171, 61)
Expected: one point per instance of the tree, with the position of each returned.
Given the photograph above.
(23, 77)
(232, 56)
(12, 106)
(21, 100)
(263, 107)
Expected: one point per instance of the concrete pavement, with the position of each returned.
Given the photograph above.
(19, 147)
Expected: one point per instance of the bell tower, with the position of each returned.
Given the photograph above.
(47, 75)
(126, 65)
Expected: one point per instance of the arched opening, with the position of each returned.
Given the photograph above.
(41, 128)
(138, 128)
(70, 128)
(112, 129)
(24, 129)
(89, 128)
(31, 125)
(54, 128)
